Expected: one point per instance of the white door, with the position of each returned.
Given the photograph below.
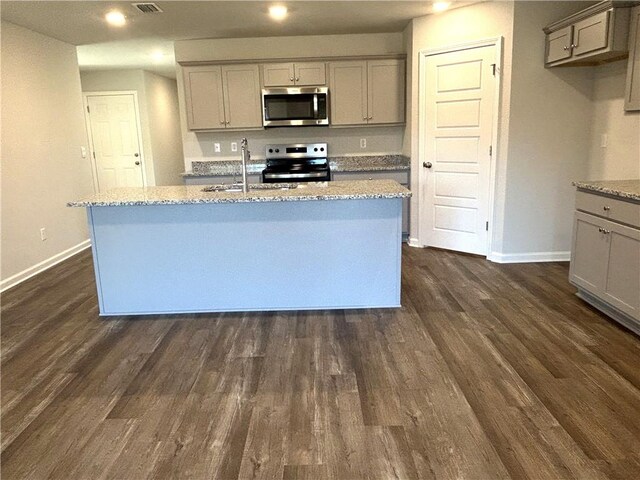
(115, 140)
(455, 156)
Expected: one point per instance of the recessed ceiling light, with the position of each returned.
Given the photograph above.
(278, 12)
(115, 18)
(440, 6)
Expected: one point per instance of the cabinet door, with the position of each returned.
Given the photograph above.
(348, 93)
(622, 285)
(591, 34)
(242, 96)
(589, 254)
(310, 74)
(632, 92)
(278, 74)
(559, 45)
(386, 86)
(203, 97)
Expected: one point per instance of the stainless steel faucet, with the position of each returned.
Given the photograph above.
(246, 156)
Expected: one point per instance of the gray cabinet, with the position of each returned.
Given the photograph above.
(400, 176)
(632, 91)
(222, 97)
(594, 35)
(367, 92)
(289, 74)
(605, 258)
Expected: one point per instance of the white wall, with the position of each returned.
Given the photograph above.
(475, 22)
(621, 158)
(42, 169)
(164, 123)
(550, 116)
(159, 118)
(342, 141)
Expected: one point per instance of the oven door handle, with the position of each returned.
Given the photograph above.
(295, 175)
(315, 106)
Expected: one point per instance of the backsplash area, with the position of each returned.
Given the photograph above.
(342, 141)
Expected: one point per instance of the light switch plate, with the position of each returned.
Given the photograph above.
(83, 152)
(604, 140)
(216, 147)
(363, 143)
(234, 146)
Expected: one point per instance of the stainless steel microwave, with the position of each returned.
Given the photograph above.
(289, 107)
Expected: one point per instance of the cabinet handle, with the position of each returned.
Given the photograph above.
(370, 118)
(291, 79)
(297, 79)
(364, 118)
(606, 208)
(574, 46)
(565, 48)
(227, 123)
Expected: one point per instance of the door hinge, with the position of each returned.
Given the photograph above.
(493, 69)
(94, 155)
(486, 226)
(490, 150)
(88, 110)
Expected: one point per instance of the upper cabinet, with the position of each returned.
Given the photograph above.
(367, 92)
(294, 74)
(220, 97)
(594, 35)
(632, 93)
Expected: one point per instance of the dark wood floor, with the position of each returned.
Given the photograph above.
(487, 372)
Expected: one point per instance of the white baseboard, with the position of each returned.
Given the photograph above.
(532, 257)
(413, 242)
(20, 277)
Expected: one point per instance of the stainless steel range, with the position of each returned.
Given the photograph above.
(301, 162)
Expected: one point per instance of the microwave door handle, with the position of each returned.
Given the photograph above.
(315, 106)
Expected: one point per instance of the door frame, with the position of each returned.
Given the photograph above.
(496, 42)
(87, 120)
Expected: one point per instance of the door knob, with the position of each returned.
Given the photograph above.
(136, 154)
(427, 164)
(137, 162)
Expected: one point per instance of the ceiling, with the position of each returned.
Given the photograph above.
(133, 46)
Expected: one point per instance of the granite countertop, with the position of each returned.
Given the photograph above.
(192, 194)
(617, 188)
(364, 163)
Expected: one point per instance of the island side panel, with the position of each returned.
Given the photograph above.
(247, 256)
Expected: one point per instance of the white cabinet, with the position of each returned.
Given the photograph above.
(594, 35)
(632, 92)
(289, 74)
(220, 97)
(605, 258)
(367, 92)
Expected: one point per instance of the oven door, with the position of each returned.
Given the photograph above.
(287, 107)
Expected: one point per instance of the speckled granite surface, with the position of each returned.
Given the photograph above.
(366, 163)
(618, 188)
(192, 194)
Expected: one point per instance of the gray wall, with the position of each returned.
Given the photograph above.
(42, 169)
(549, 127)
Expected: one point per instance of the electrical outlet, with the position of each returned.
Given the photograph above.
(43, 234)
(363, 143)
(234, 146)
(604, 140)
(216, 147)
(83, 152)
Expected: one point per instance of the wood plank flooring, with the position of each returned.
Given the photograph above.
(487, 372)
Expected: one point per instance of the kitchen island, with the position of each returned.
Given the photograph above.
(184, 250)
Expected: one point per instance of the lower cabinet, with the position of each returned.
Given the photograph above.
(605, 264)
